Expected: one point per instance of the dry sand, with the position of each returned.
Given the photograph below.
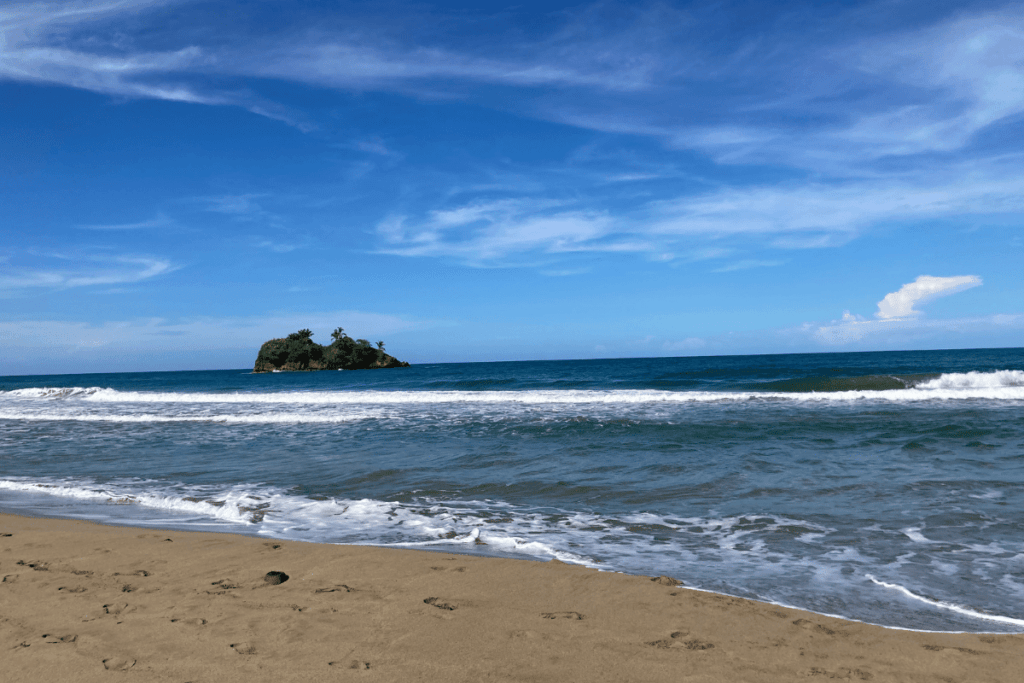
(84, 602)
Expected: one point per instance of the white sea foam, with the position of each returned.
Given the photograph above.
(915, 535)
(226, 510)
(262, 418)
(286, 516)
(998, 385)
(975, 380)
(744, 548)
(941, 604)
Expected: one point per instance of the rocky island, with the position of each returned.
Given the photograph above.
(298, 352)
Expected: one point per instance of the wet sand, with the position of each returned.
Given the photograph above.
(84, 602)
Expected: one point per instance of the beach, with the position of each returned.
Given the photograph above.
(88, 602)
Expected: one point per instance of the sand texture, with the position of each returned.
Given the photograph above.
(83, 602)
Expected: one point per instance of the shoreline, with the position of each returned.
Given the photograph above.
(81, 600)
(492, 555)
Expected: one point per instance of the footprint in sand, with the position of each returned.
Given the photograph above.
(195, 621)
(844, 674)
(811, 626)
(118, 664)
(244, 648)
(35, 565)
(50, 638)
(442, 604)
(571, 616)
(681, 640)
(10, 578)
(964, 650)
(224, 585)
(351, 664)
(73, 589)
(116, 608)
(340, 588)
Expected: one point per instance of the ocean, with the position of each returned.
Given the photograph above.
(882, 487)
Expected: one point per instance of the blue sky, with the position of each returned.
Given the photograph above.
(180, 181)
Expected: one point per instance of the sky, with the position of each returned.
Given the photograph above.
(181, 181)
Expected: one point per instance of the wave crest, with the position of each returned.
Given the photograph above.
(975, 380)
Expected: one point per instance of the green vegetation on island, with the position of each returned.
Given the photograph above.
(299, 352)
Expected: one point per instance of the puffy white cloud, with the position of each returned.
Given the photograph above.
(900, 304)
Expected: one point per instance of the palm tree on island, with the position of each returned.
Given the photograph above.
(298, 351)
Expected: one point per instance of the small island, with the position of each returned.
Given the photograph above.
(298, 352)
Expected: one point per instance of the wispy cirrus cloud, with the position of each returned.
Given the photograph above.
(160, 221)
(874, 124)
(703, 226)
(968, 72)
(90, 45)
(242, 207)
(278, 247)
(496, 233)
(37, 47)
(747, 264)
(86, 45)
(87, 271)
(835, 100)
(843, 97)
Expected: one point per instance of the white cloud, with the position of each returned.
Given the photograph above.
(92, 271)
(746, 264)
(278, 247)
(609, 67)
(837, 212)
(159, 222)
(972, 68)
(898, 319)
(42, 42)
(690, 344)
(242, 206)
(900, 304)
(704, 226)
(908, 91)
(835, 106)
(38, 44)
(895, 333)
(493, 233)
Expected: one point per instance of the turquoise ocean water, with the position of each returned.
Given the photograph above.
(883, 487)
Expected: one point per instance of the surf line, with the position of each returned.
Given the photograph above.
(947, 605)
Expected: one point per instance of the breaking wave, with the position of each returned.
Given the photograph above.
(998, 385)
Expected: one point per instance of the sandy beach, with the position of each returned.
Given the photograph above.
(85, 602)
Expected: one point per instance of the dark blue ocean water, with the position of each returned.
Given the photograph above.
(884, 487)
